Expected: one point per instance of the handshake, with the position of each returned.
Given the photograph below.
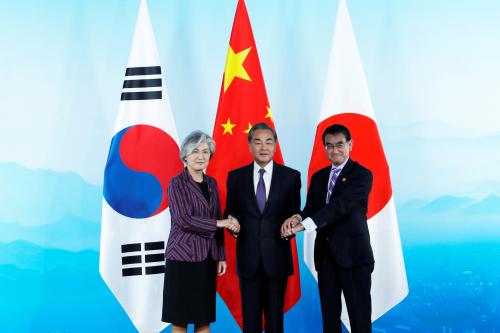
(291, 227)
(231, 224)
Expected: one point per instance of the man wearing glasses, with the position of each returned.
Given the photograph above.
(336, 207)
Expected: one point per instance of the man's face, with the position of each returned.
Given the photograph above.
(337, 148)
(262, 146)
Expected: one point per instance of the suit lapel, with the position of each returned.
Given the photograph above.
(343, 177)
(324, 178)
(214, 203)
(250, 188)
(194, 188)
(274, 186)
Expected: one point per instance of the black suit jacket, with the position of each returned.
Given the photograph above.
(259, 237)
(341, 224)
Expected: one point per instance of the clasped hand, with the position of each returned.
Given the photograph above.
(291, 227)
(231, 224)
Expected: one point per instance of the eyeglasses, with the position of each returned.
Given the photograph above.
(338, 145)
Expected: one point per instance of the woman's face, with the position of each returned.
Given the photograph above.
(199, 157)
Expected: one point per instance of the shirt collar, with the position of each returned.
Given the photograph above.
(268, 167)
(340, 167)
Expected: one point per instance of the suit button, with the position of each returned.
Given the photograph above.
(327, 238)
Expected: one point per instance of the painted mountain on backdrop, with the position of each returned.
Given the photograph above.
(450, 219)
(49, 208)
(34, 197)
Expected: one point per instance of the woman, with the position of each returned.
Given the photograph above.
(195, 249)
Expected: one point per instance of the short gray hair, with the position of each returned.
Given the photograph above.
(193, 140)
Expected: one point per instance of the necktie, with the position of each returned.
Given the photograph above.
(331, 183)
(260, 194)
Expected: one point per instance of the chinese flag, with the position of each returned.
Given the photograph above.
(242, 103)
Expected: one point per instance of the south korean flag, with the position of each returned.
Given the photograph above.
(143, 157)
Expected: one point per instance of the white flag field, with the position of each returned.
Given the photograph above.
(143, 157)
(347, 101)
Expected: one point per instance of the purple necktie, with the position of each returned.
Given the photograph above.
(331, 183)
(260, 194)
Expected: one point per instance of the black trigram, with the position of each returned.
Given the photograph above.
(133, 263)
(142, 83)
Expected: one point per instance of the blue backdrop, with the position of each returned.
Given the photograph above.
(433, 73)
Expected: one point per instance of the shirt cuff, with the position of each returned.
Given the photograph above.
(309, 224)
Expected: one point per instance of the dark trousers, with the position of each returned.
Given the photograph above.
(262, 294)
(355, 282)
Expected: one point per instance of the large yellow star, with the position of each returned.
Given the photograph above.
(248, 129)
(228, 127)
(269, 113)
(234, 66)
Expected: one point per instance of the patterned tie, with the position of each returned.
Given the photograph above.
(260, 194)
(331, 183)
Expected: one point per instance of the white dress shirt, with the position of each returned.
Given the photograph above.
(308, 223)
(267, 176)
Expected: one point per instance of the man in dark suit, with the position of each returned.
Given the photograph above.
(261, 196)
(336, 207)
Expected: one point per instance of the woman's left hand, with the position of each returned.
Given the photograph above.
(221, 268)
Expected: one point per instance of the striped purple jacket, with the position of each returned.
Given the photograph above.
(194, 234)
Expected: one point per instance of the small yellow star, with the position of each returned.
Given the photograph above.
(269, 113)
(248, 129)
(228, 127)
(234, 66)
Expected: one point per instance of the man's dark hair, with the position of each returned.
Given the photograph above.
(261, 126)
(337, 129)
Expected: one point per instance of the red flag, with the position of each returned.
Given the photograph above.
(347, 101)
(242, 103)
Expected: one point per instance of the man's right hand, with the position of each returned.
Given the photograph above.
(230, 224)
(287, 226)
(234, 225)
